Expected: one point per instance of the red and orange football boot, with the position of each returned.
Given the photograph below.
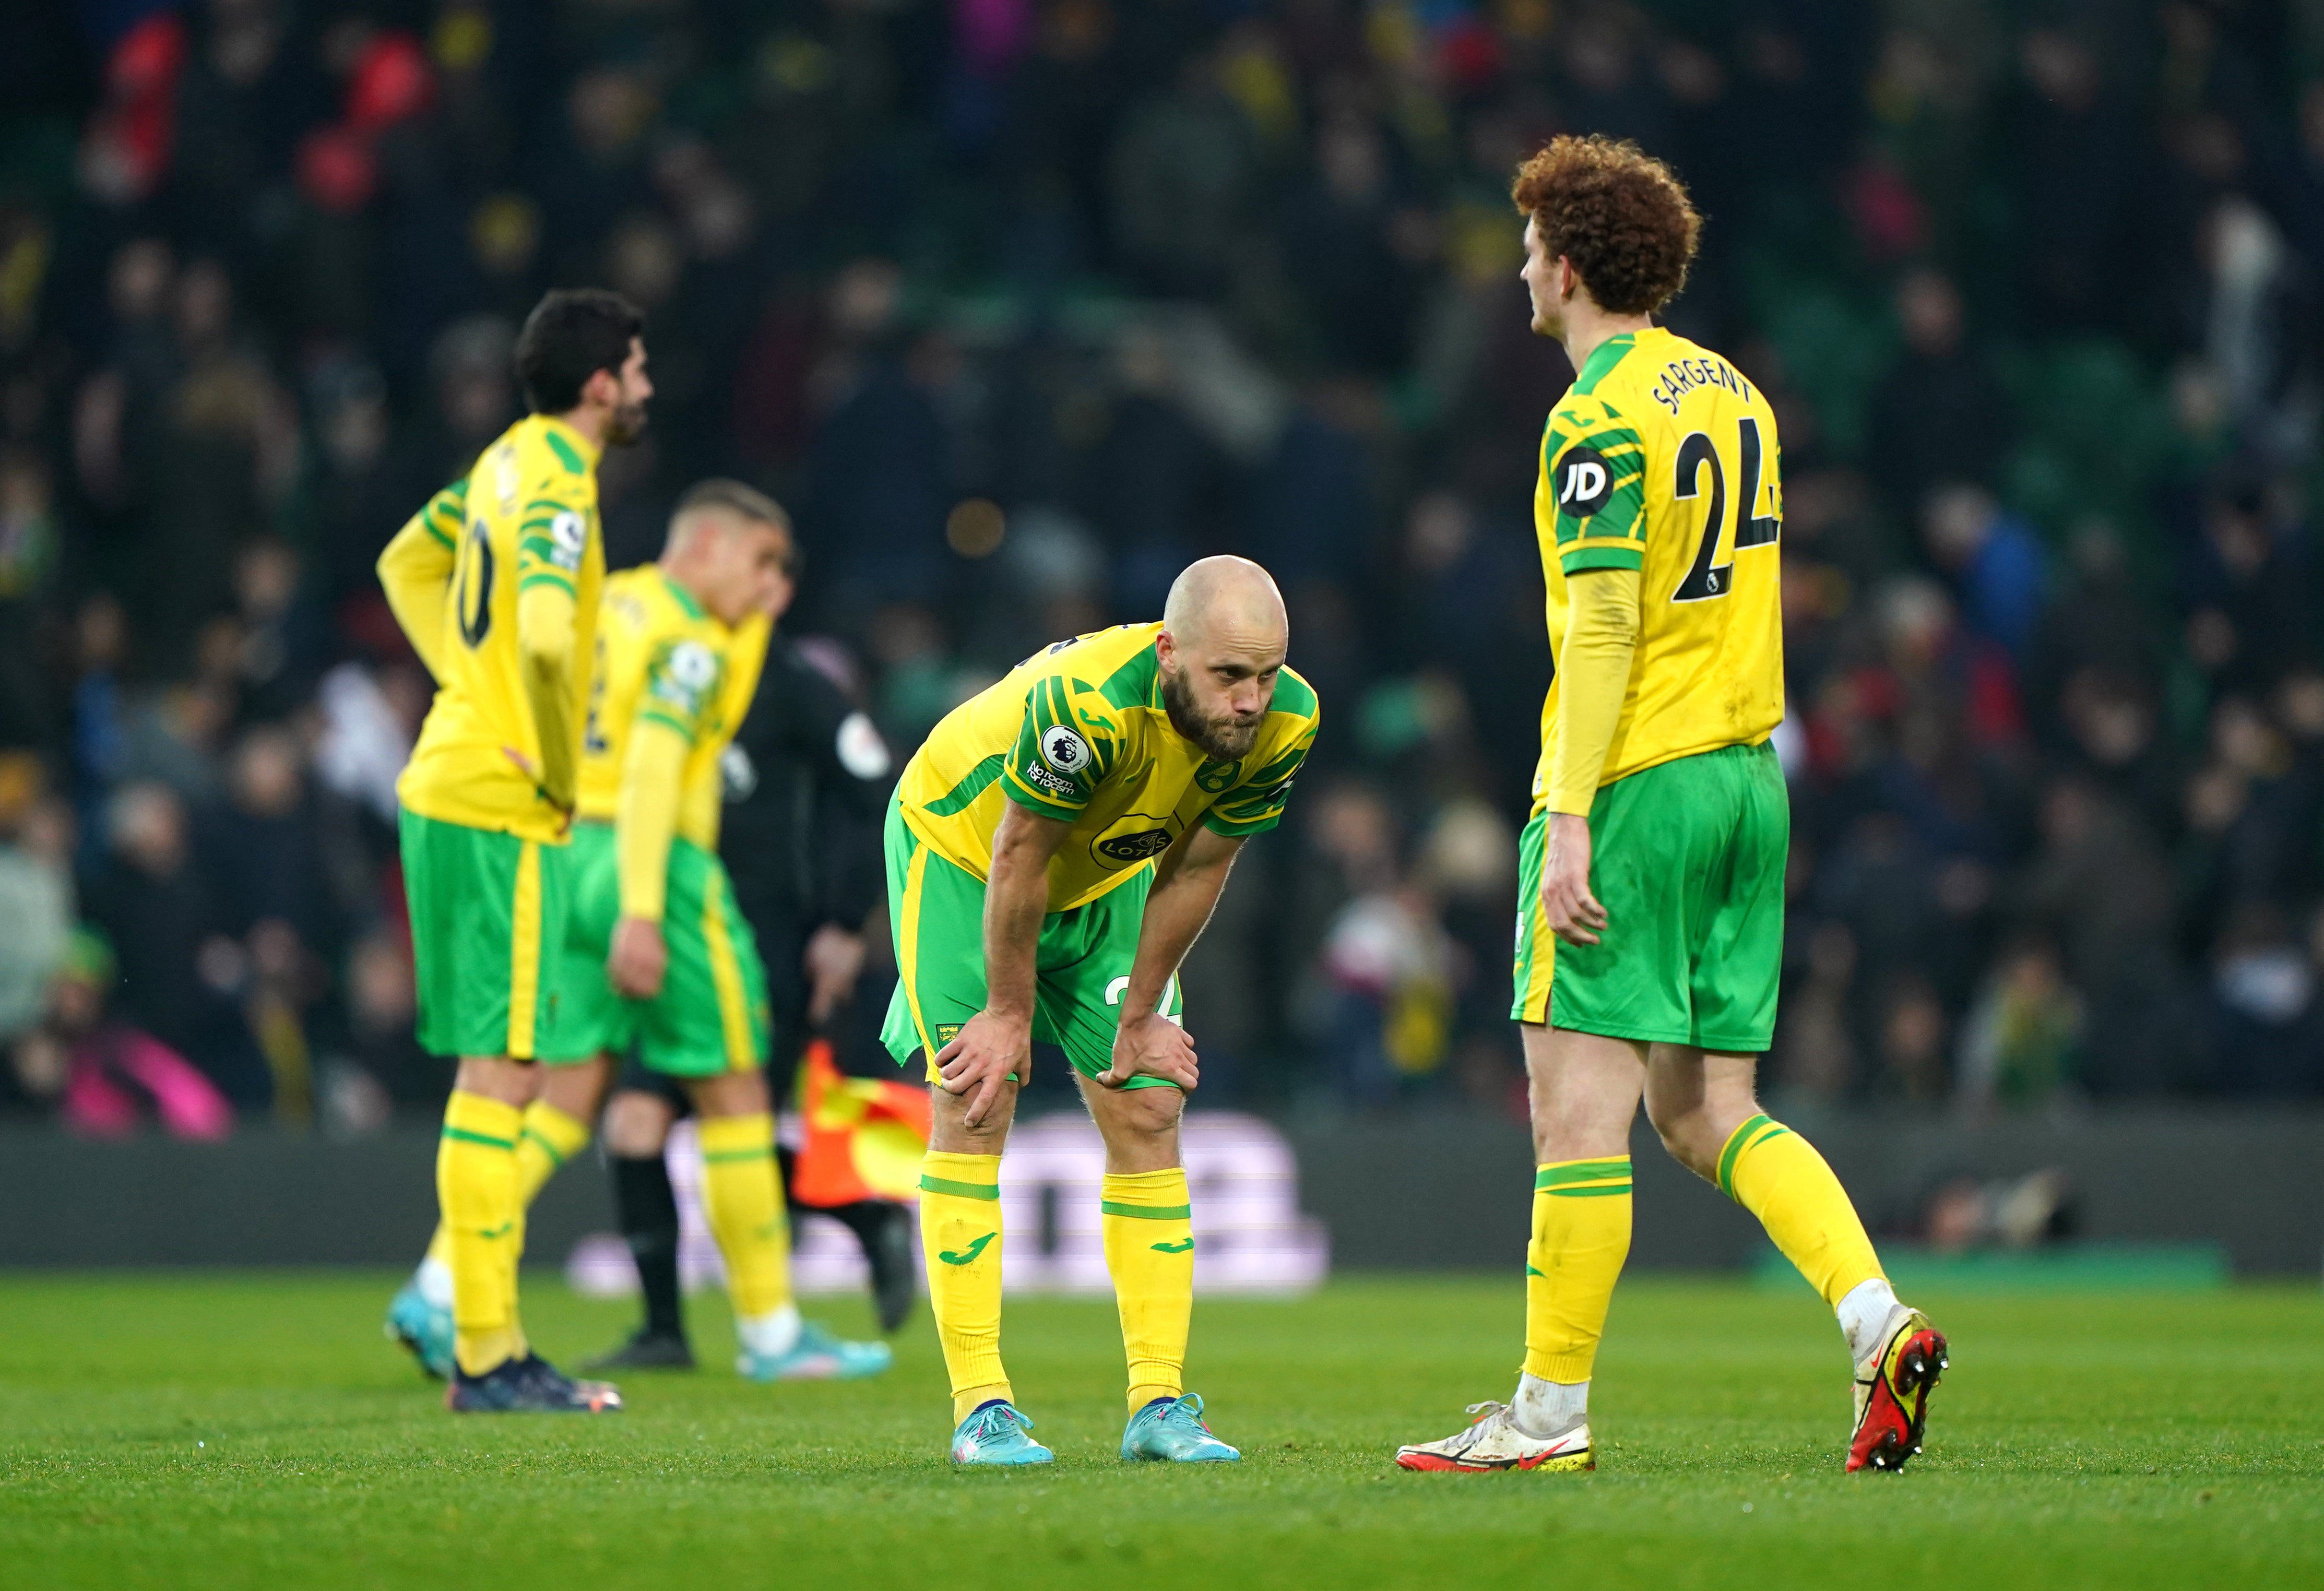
(1892, 1392)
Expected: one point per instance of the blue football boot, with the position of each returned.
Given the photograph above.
(529, 1386)
(816, 1356)
(995, 1434)
(424, 1329)
(1171, 1430)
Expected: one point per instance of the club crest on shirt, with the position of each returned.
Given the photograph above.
(1215, 776)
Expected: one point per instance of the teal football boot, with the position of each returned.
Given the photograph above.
(995, 1434)
(422, 1328)
(816, 1356)
(1171, 1430)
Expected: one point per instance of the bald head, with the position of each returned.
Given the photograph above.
(1226, 599)
(1224, 638)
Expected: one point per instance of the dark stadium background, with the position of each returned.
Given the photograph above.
(1022, 304)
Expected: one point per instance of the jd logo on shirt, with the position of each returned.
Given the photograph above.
(1584, 482)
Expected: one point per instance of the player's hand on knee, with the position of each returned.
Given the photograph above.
(1574, 913)
(637, 959)
(979, 1059)
(1151, 1046)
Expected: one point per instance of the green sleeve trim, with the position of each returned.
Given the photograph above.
(1601, 1191)
(1145, 1212)
(1227, 828)
(1016, 791)
(984, 1190)
(1583, 559)
(563, 582)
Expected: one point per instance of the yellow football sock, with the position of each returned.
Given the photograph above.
(1149, 1251)
(1581, 1236)
(743, 1199)
(475, 1189)
(547, 1140)
(1775, 1174)
(959, 1236)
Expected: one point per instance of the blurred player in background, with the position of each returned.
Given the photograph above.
(497, 582)
(1661, 825)
(657, 958)
(806, 778)
(1054, 849)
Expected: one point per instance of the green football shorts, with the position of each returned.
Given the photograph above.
(1688, 860)
(711, 1015)
(1082, 965)
(485, 908)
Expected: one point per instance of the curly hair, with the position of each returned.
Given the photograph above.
(1617, 213)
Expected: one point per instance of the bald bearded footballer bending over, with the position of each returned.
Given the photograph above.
(1053, 852)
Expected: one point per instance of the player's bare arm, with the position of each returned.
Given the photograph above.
(999, 1039)
(1188, 879)
(1574, 915)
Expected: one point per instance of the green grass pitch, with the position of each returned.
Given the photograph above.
(198, 1430)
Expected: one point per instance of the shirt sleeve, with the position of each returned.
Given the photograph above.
(684, 688)
(417, 566)
(1256, 804)
(1065, 748)
(559, 517)
(1597, 471)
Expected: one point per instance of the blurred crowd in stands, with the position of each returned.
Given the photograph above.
(1020, 305)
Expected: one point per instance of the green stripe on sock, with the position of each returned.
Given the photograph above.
(959, 1190)
(466, 1137)
(1147, 1212)
(1599, 1192)
(1579, 1170)
(729, 1156)
(1749, 1136)
(547, 1147)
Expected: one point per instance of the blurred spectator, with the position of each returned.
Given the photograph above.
(36, 895)
(113, 1076)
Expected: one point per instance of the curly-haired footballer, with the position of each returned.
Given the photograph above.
(1658, 511)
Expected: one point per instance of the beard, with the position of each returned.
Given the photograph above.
(1223, 739)
(626, 426)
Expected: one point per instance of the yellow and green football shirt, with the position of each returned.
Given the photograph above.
(526, 514)
(1662, 458)
(662, 658)
(1079, 733)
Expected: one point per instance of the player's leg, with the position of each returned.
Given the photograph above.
(937, 914)
(486, 910)
(1145, 1213)
(1585, 1089)
(638, 1119)
(1700, 1095)
(708, 1028)
(1704, 1107)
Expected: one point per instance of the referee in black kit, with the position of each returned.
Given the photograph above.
(806, 778)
